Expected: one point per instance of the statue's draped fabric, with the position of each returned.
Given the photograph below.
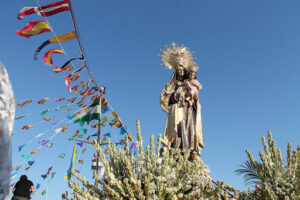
(7, 115)
(183, 121)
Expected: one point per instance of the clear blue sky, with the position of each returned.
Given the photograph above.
(248, 53)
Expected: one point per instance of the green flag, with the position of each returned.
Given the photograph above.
(93, 112)
(62, 155)
(45, 111)
(84, 130)
(44, 192)
(19, 117)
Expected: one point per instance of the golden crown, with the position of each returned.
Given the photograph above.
(176, 55)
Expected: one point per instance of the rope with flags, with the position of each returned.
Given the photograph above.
(88, 114)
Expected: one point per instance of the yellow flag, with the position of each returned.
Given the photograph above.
(112, 114)
(63, 37)
(104, 119)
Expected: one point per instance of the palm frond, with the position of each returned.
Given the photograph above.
(250, 173)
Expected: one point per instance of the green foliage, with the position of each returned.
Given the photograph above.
(274, 178)
(149, 174)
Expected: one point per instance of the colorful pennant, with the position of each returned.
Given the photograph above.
(48, 56)
(25, 156)
(79, 144)
(34, 28)
(21, 147)
(25, 103)
(47, 118)
(47, 174)
(44, 111)
(62, 155)
(72, 99)
(20, 117)
(42, 101)
(59, 69)
(60, 38)
(69, 174)
(60, 99)
(26, 127)
(46, 10)
(43, 142)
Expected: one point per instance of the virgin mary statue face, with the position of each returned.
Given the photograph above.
(180, 70)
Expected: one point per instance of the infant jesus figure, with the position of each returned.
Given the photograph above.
(192, 86)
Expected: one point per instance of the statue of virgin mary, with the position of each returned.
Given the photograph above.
(183, 120)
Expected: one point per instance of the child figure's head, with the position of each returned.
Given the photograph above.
(192, 75)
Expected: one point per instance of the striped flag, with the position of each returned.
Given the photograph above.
(42, 101)
(74, 78)
(60, 99)
(48, 56)
(34, 28)
(72, 99)
(25, 103)
(92, 112)
(26, 127)
(69, 172)
(46, 10)
(75, 88)
(78, 70)
(59, 38)
(59, 69)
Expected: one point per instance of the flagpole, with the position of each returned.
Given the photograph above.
(75, 29)
(79, 43)
(98, 141)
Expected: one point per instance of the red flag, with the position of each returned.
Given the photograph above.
(64, 129)
(68, 83)
(26, 127)
(60, 99)
(74, 78)
(79, 70)
(47, 118)
(59, 69)
(46, 10)
(85, 93)
(76, 133)
(72, 99)
(48, 56)
(42, 101)
(25, 103)
(34, 28)
(82, 84)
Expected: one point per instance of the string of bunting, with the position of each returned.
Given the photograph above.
(82, 88)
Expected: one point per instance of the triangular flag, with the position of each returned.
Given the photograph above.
(132, 145)
(43, 142)
(31, 163)
(19, 117)
(45, 111)
(104, 119)
(107, 134)
(84, 130)
(62, 155)
(21, 147)
(79, 144)
(26, 156)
